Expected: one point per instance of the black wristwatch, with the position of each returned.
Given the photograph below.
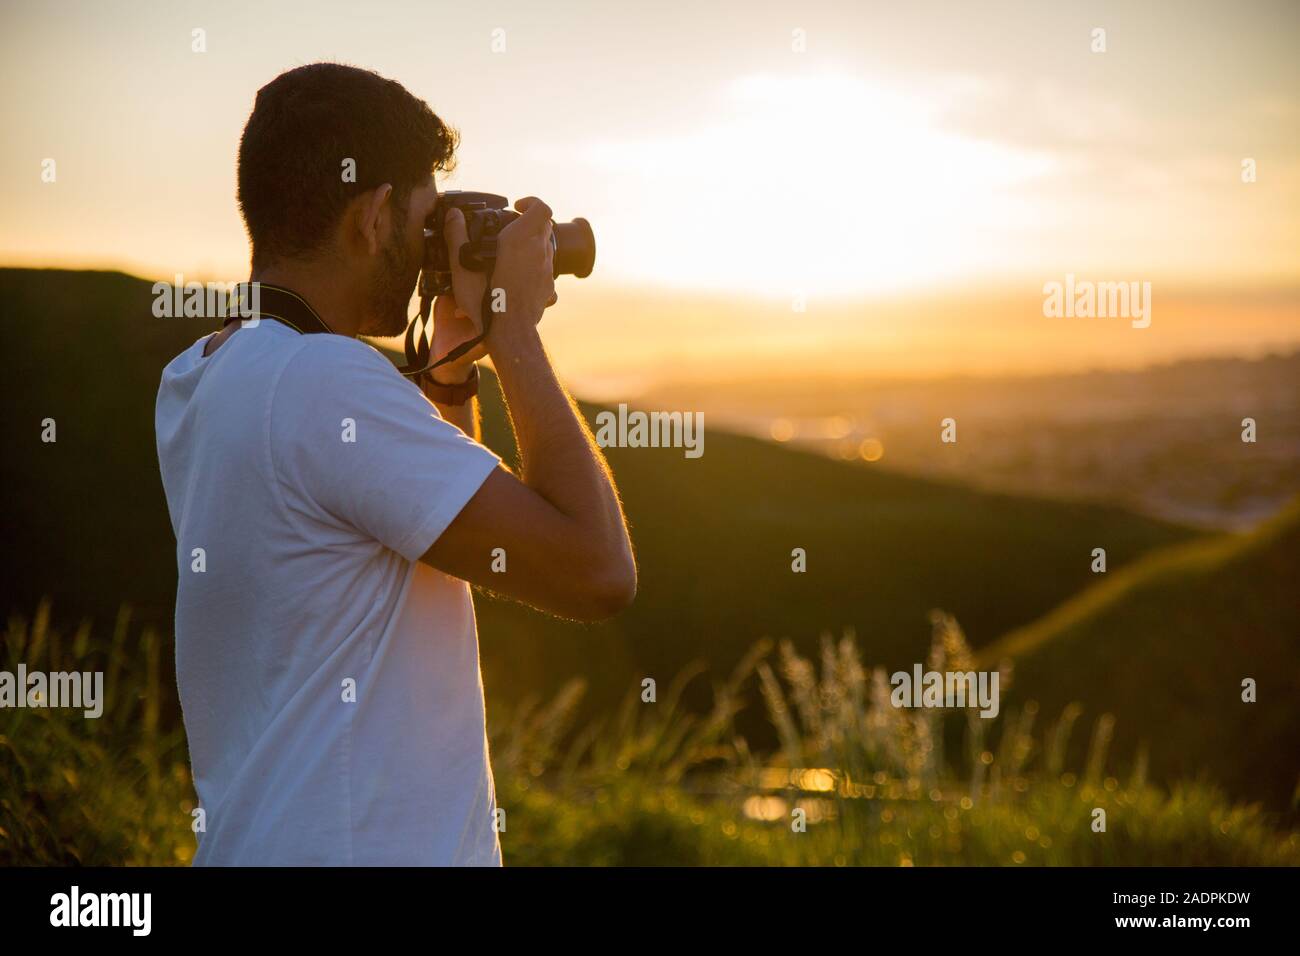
(451, 394)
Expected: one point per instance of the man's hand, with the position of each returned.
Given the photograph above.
(451, 327)
(467, 287)
(524, 272)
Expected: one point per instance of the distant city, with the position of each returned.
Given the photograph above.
(1165, 441)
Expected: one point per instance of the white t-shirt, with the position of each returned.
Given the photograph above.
(329, 681)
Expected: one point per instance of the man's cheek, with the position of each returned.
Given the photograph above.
(415, 257)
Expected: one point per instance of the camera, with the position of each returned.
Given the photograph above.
(486, 214)
(573, 245)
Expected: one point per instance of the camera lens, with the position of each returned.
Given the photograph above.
(575, 248)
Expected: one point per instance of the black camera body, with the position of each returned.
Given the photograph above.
(486, 214)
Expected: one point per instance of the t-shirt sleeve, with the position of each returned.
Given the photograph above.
(353, 440)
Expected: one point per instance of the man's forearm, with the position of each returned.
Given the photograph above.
(559, 459)
(465, 417)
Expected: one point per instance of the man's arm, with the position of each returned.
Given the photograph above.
(560, 522)
(451, 326)
(465, 417)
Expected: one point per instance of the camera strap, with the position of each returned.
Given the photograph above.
(420, 331)
(288, 308)
(268, 301)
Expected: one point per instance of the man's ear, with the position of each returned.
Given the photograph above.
(375, 210)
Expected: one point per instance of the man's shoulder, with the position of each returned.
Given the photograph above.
(326, 369)
(339, 355)
(186, 359)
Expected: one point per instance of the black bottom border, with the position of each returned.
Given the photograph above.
(906, 906)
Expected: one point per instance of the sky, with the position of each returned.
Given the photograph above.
(731, 157)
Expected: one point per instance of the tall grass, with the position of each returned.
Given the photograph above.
(653, 782)
(872, 784)
(104, 791)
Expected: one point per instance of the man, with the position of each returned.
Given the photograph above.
(328, 515)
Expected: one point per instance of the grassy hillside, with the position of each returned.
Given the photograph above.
(85, 522)
(1165, 644)
(657, 785)
(714, 537)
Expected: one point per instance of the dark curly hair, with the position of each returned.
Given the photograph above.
(304, 125)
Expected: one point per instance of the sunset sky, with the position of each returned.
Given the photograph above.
(912, 152)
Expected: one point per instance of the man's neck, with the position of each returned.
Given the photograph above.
(326, 291)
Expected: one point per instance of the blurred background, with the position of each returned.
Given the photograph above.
(827, 228)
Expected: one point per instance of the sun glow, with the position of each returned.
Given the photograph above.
(821, 185)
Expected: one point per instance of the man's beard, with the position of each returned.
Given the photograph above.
(390, 290)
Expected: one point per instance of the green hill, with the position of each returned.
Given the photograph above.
(1165, 644)
(85, 522)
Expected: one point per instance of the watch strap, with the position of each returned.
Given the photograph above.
(451, 394)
